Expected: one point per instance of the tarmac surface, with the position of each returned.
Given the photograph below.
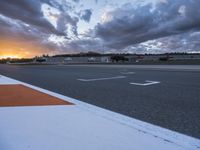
(167, 96)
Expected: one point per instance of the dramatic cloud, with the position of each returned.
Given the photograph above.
(20, 36)
(63, 22)
(24, 29)
(27, 11)
(33, 27)
(130, 25)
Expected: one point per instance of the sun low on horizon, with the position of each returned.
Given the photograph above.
(10, 56)
(5, 53)
(20, 49)
(34, 28)
(17, 53)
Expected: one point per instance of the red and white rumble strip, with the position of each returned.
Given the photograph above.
(37, 119)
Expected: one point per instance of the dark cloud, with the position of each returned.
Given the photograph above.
(84, 45)
(130, 25)
(186, 42)
(22, 23)
(85, 14)
(166, 26)
(27, 11)
(30, 13)
(17, 35)
(64, 20)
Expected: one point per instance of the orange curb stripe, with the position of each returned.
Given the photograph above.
(20, 95)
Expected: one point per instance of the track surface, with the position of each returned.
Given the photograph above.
(174, 103)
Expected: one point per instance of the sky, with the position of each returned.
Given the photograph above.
(31, 28)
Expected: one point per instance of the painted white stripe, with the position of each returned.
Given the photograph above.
(164, 137)
(146, 84)
(4, 80)
(127, 72)
(99, 79)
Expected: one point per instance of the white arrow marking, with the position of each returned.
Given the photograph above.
(98, 79)
(145, 84)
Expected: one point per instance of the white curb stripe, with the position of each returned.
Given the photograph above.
(166, 135)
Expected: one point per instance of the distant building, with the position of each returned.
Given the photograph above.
(118, 58)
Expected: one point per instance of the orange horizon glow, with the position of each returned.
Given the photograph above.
(19, 54)
(10, 56)
(19, 48)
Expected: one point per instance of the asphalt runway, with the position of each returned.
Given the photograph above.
(167, 96)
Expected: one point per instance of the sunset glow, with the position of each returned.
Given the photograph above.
(33, 28)
(9, 56)
(14, 53)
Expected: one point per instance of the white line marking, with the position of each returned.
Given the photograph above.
(146, 84)
(98, 79)
(127, 72)
(184, 141)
